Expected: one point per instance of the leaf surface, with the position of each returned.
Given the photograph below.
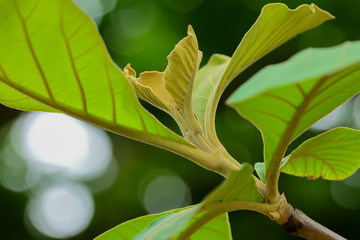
(216, 229)
(238, 187)
(275, 25)
(333, 155)
(206, 80)
(260, 170)
(285, 99)
(148, 224)
(52, 58)
(168, 224)
(180, 73)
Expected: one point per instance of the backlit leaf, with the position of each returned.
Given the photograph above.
(54, 59)
(206, 80)
(180, 73)
(146, 225)
(285, 99)
(275, 25)
(239, 187)
(216, 229)
(167, 225)
(333, 155)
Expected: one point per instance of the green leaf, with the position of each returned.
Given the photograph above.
(333, 155)
(285, 99)
(167, 226)
(238, 192)
(206, 80)
(163, 224)
(275, 25)
(180, 74)
(52, 58)
(260, 170)
(239, 187)
(209, 225)
(216, 229)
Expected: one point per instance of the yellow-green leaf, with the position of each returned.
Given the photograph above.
(150, 224)
(51, 53)
(206, 80)
(239, 187)
(180, 73)
(150, 86)
(333, 155)
(275, 25)
(217, 228)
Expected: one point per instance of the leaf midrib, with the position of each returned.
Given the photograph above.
(32, 51)
(273, 172)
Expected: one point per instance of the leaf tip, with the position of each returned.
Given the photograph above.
(129, 71)
(190, 30)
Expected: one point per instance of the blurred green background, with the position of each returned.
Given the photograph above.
(41, 199)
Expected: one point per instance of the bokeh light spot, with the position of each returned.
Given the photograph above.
(353, 180)
(56, 139)
(345, 195)
(61, 211)
(164, 191)
(333, 119)
(53, 142)
(93, 8)
(126, 34)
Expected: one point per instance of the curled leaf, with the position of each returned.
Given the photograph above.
(150, 87)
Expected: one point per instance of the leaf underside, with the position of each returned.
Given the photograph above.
(164, 225)
(333, 155)
(275, 25)
(285, 99)
(52, 58)
(238, 187)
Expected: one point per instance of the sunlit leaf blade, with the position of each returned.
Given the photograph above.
(161, 225)
(284, 100)
(51, 52)
(206, 80)
(333, 155)
(216, 229)
(14, 99)
(180, 73)
(275, 25)
(240, 186)
(167, 225)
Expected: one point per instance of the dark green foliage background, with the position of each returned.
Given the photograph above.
(219, 26)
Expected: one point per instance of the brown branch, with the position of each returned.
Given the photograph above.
(298, 224)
